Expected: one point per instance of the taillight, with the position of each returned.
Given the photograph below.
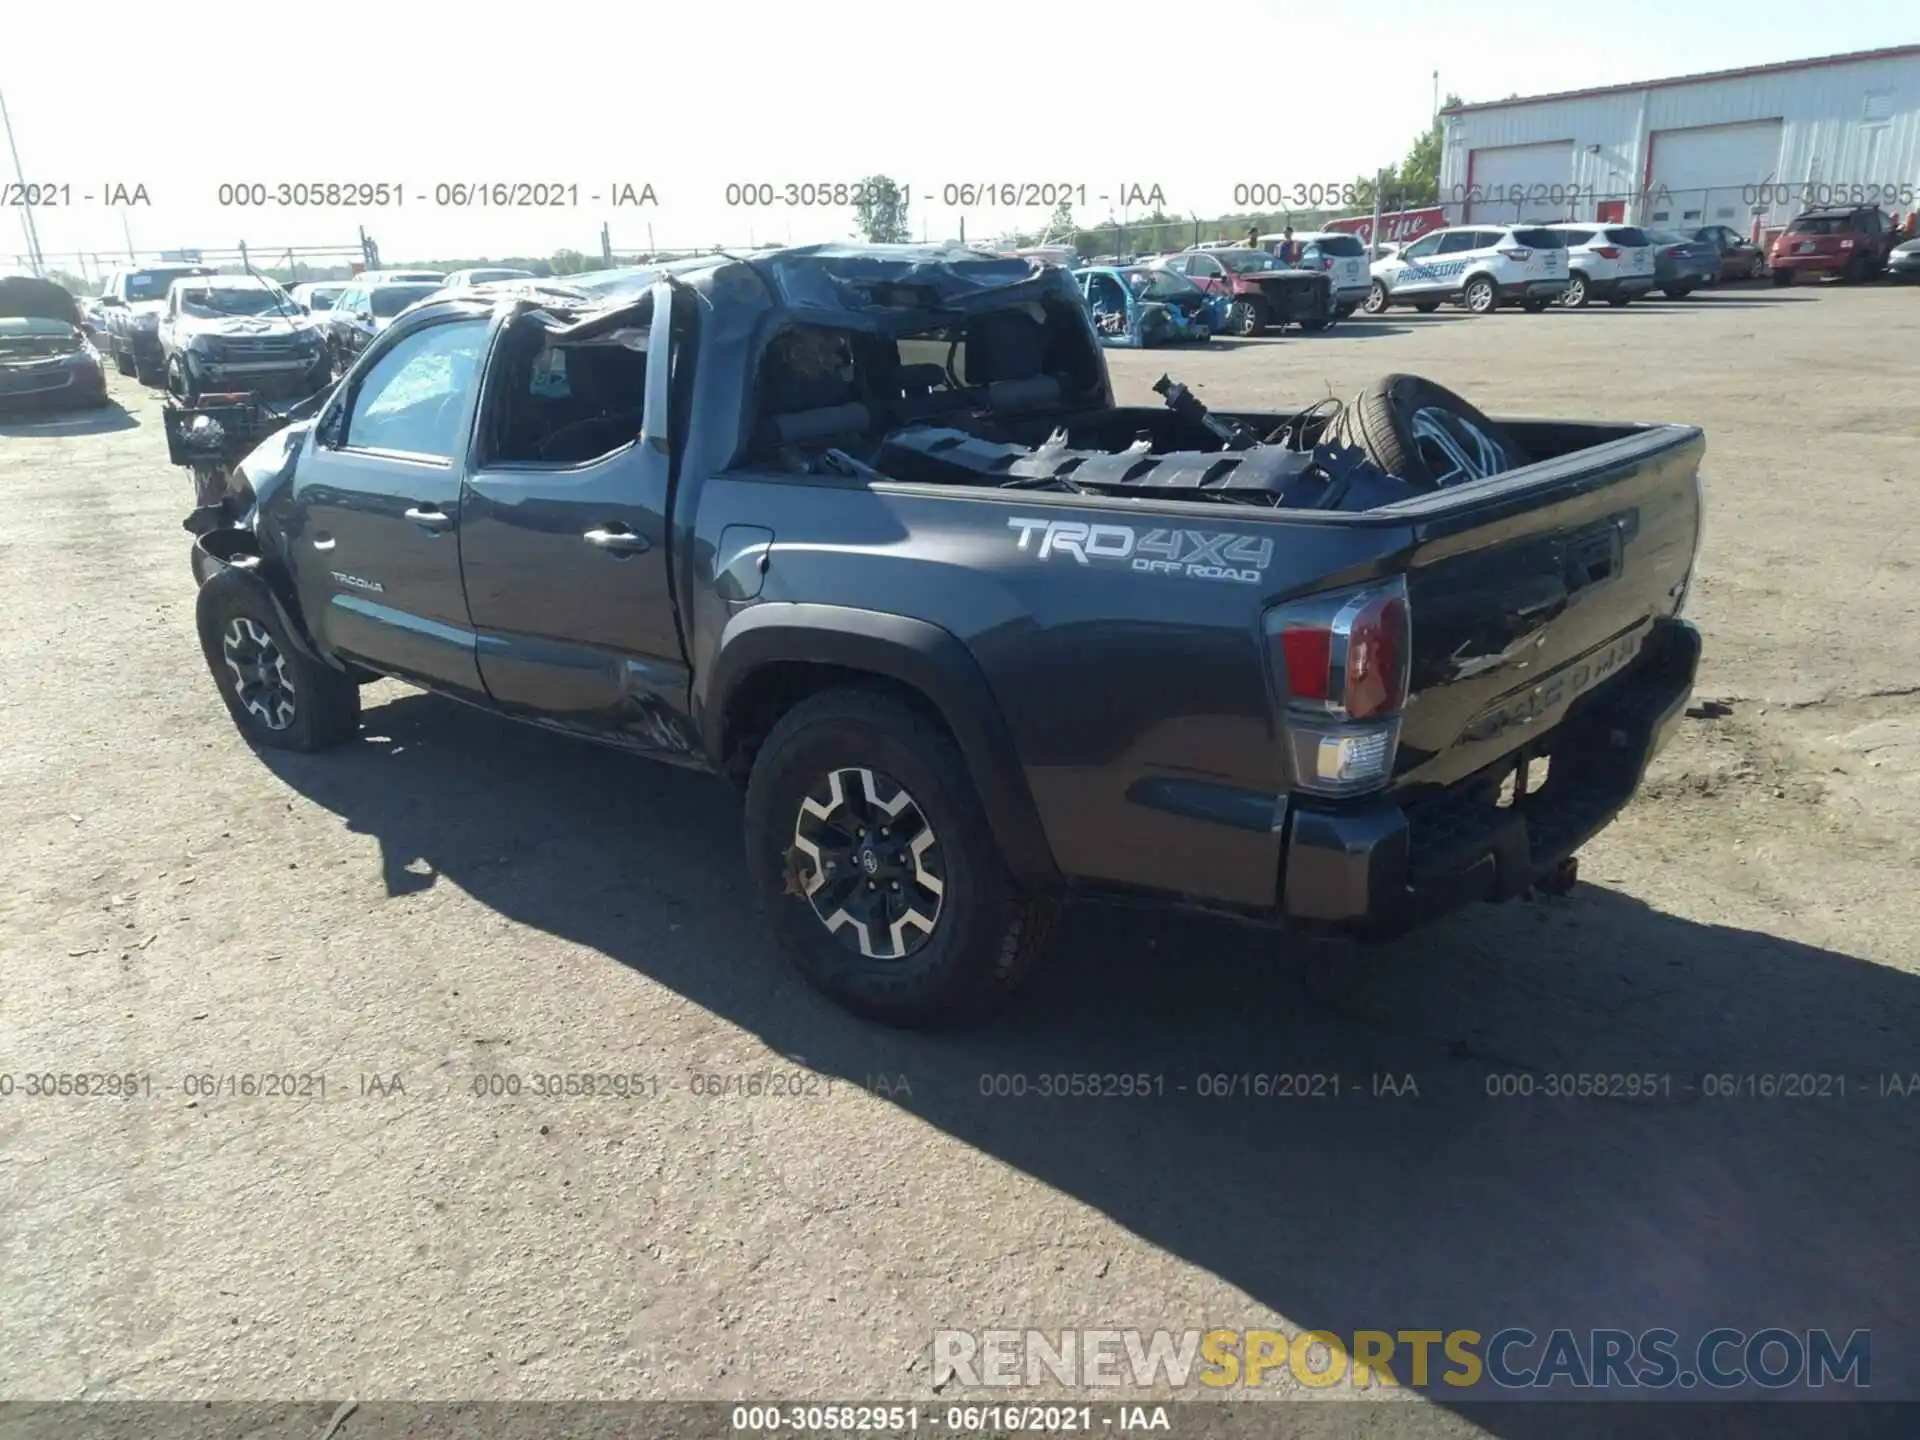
(1342, 661)
(1607, 252)
(1518, 254)
(1674, 252)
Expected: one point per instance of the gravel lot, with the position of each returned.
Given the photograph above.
(455, 898)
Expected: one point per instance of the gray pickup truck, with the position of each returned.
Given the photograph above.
(863, 529)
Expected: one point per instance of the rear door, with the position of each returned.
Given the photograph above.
(375, 551)
(564, 533)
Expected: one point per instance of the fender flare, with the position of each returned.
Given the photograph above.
(915, 653)
(218, 574)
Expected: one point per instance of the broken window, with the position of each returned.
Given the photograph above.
(562, 402)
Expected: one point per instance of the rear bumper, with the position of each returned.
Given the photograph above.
(1814, 264)
(1379, 871)
(1533, 289)
(1625, 285)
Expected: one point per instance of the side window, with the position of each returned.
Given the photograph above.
(1422, 248)
(1204, 265)
(414, 397)
(566, 404)
(1458, 242)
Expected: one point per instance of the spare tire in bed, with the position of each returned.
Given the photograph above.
(1425, 434)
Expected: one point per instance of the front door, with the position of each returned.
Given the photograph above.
(1412, 273)
(377, 495)
(564, 534)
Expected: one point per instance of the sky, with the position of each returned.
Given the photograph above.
(1105, 99)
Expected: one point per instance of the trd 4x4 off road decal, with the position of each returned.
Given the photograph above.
(1197, 554)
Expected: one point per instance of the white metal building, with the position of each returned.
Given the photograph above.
(1746, 148)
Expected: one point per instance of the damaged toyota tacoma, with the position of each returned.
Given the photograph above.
(864, 530)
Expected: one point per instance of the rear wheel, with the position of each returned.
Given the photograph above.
(1783, 277)
(148, 372)
(122, 361)
(180, 381)
(1345, 312)
(1535, 306)
(1376, 302)
(277, 696)
(1426, 307)
(1481, 298)
(875, 864)
(1618, 298)
(1247, 317)
(1676, 292)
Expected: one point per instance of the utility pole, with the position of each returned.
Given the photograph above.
(1373, 234)
(26, 210)
(126, 232)
(1436, 92)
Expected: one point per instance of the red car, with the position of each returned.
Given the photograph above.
(1852, 242)
(1261, 292)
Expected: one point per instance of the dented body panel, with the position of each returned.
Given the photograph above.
(1098, 657)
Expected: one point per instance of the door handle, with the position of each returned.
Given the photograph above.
(429, 517)
(616, 542)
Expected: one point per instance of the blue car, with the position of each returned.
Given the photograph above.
(1135, 307)
(1681, 264)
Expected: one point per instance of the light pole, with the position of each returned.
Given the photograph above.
(1436, 92)
(26, 210)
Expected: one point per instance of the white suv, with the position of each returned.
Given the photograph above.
(1481, 266)
(1613, 263)
(1344, 259)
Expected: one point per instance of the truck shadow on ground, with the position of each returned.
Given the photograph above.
(1416, 1185)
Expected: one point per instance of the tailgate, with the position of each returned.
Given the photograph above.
(1532, 588)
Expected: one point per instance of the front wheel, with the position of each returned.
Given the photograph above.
(1574, 297)
(1313, 326)
(1245, 317)
(875, 864)
(277, 696)
(1376, 302)
(1535, 306)
(1481, 297)
(180, 381)
(1427, 307)
(1618, 298)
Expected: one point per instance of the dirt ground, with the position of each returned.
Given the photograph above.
(454, 900)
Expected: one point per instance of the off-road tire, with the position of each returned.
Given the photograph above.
(326, 703)
(987, 933)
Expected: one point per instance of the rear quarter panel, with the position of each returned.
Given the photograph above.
(1137, 699)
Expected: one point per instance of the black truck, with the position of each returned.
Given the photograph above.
(863, 529)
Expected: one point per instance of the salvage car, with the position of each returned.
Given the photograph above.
(1681, 265)
(1904, 262)
(1740, 258)
(46, 361)
(1344, 258)
(1261, 293)
(1613, 263)
(1481, 266)
(1139, 306)
(316, 297)
(465, 279)
(134, 300)
(863, 529)
(364, 311)
(1852, 242)
(239, 333)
